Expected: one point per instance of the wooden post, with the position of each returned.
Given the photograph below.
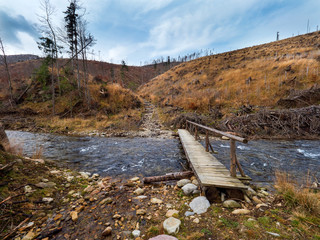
(233, 158)
(239, 167)
(207, 141)
(196, 133)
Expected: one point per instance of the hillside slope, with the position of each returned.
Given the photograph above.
(259, 75)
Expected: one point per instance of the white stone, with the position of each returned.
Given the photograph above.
(136, 233)
(171, 212)
(171, 225)
(196, 220)
(189, 188)
(241, 211)
(70, 178)
(188, 213)
(28, 189)
(273, 234)
(134, 179)
(139, 191)
(156, 201)
(183, 182)
(47, 199)
(199, 205)
(85, 175)
(231, 204)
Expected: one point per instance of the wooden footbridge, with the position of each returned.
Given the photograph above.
(209, 171)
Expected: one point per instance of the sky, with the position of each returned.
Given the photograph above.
(139, 31)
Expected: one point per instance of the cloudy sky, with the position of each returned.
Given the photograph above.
(141, 30)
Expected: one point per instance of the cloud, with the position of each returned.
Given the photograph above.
(11, 25)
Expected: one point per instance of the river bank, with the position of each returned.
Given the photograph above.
(49, 202)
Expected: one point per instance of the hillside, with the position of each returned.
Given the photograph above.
(22, 71)
(258, 75)
(272, 75)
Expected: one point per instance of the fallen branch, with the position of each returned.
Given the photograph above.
(170, 176)
(16, 228)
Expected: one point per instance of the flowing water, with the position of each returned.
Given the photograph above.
(153, 156)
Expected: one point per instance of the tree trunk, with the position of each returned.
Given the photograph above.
(4, 141)
(170, 176)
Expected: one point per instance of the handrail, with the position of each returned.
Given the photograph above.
(240, 139)
(234, 164)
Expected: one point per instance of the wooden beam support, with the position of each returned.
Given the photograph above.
(233, 158)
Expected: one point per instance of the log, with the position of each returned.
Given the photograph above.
(167, 177)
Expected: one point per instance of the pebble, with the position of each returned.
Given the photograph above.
(273, 234)
(196, 220)
(74, 215)
(163, 237)
(231, 204)
(107, 231)
(107, 200)
(256, 200)
(28, 189)
(47, 199)
(141, 212)
(183, 182)
(241, 211)
(30, 235)
(189, 188)
(45, 185)
(116, 216)
(134, 179)
(139, 191)
(171, 212)
(88, 189)
(260, 205)
(156, 201)
(188, 213)
(136, 233)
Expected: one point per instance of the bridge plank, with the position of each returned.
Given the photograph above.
(209, 171)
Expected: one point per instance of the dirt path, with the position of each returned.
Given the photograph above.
(151, 125)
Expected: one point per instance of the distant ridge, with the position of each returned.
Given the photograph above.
(19, 58)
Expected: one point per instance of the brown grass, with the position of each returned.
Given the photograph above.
(300, 199)
(221, 80)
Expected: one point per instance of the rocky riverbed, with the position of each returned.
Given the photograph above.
(55, 203)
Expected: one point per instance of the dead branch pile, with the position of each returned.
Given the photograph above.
(289, 123)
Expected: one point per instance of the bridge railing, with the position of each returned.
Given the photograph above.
(192, 127)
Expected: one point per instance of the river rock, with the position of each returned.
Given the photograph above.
(163, 237)
(250, 192)
(28, 189)
(107, 200)
(265, 193)
(171, 225)
(199, 205)
(134, 179)
(31, 235)
(156, 201)
(262, 206)
(231, 204)
(136, 233)
(85, 175)
(116, 216)
(246, 198)
(45, 185)
(183, 182)
(139, 191)
(95, 176)
(88, 189)
(188, 213)
(256, 200)
(171, 212)
(195, 182)
(240, 211)
(47, 199)
(107, 231)
(196, 220)
(189, 188)
(141, 212)
(74, 215)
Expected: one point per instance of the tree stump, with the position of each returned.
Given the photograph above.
(4, 141)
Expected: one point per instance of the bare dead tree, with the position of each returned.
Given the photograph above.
(50, 30)
(5, 63)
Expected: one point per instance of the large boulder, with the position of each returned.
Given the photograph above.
(171, 225)
(199, 205)
(4, 141)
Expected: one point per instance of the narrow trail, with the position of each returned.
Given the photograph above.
(151, 125)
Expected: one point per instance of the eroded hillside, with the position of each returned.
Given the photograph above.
(259, 76)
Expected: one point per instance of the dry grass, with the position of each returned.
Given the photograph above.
(300, 199)
(38, 152)
(274, 70)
